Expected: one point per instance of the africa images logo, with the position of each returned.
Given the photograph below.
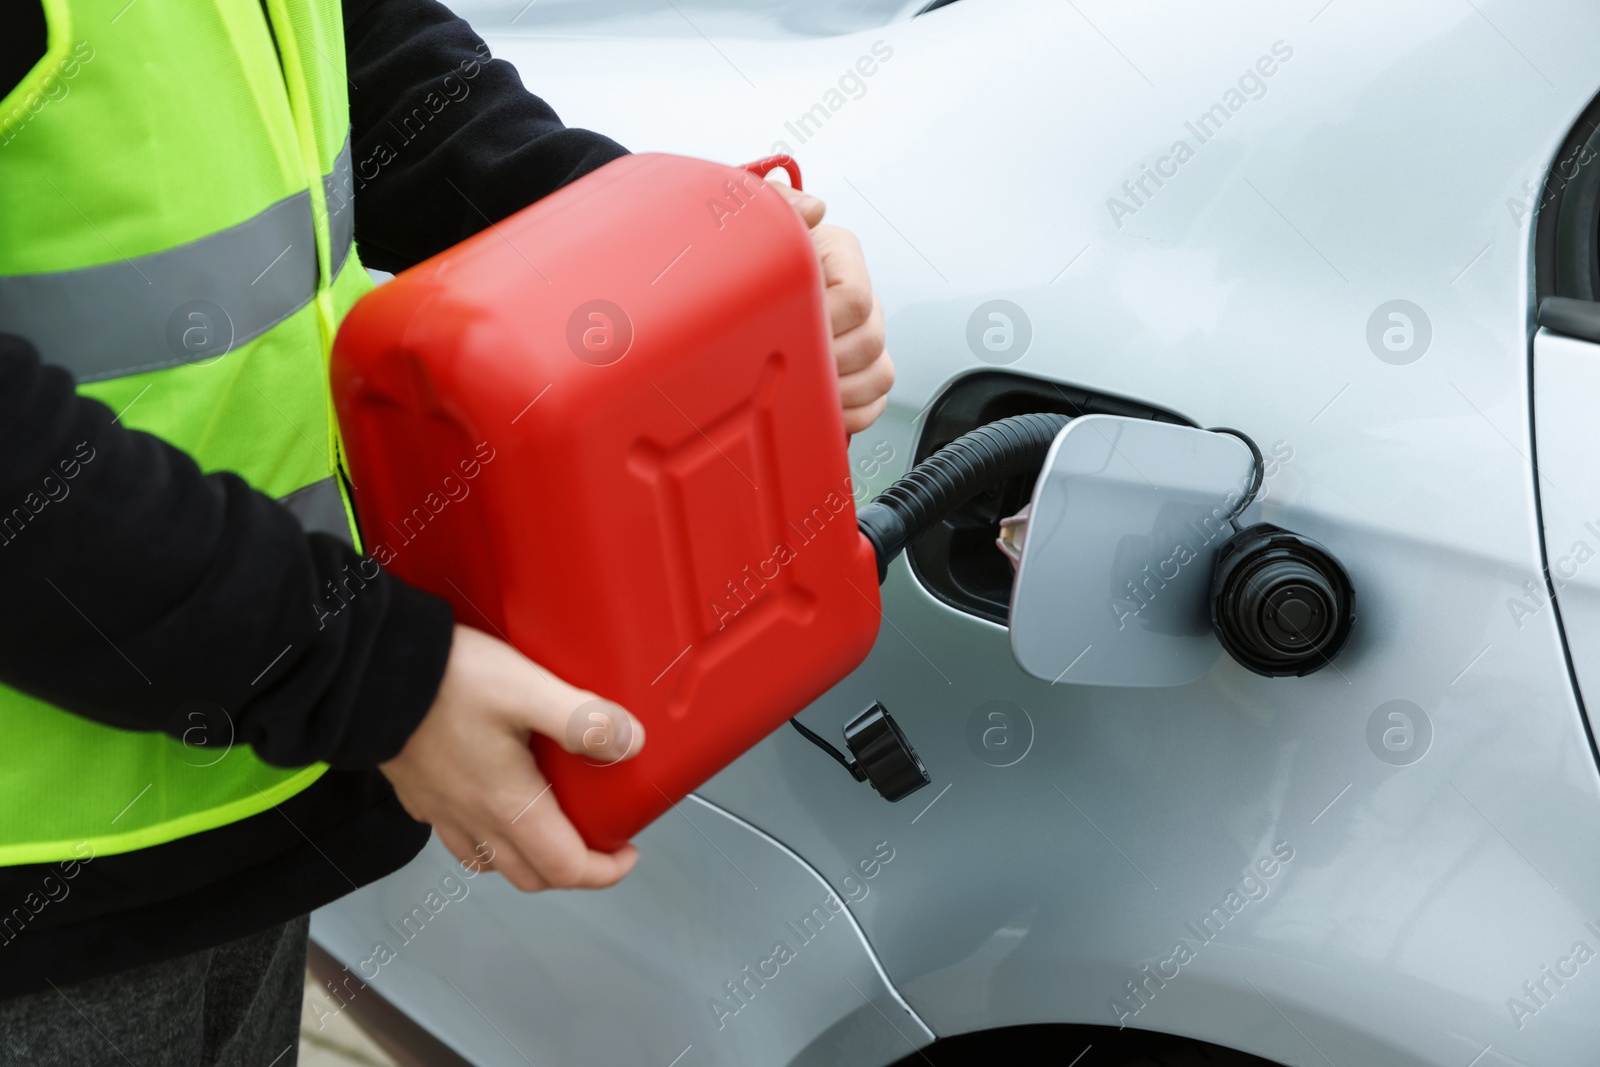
(1254, 887)
(1251, 85)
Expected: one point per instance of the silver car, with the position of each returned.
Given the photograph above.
(1362, 233)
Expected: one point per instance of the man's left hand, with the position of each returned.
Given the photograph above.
(865, 370)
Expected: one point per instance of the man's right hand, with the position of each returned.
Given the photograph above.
(467, 768)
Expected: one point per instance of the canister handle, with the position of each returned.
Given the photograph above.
(762, 167)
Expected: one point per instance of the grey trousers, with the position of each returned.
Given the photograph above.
(236, 1005)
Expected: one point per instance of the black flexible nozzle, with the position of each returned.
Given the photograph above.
(952, 476)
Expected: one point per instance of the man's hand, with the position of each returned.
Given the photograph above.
(865, 370)
(468, 771)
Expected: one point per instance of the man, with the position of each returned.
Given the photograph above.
(194, 755)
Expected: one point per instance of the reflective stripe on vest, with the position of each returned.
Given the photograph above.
(175, 229)
(197, 301)
(320, 508)
(337, 187)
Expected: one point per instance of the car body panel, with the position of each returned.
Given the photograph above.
(1566, 374)
(1441, 859)
(779, 19)
(628, 975)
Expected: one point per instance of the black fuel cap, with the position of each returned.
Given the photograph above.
(883, 754)
(1280, 603)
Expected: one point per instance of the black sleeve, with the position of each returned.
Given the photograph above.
(144, 594)
(445, 139)
(22, 42)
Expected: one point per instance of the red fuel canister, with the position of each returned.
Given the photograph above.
(608, 430)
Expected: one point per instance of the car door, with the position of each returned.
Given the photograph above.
(1566, 378)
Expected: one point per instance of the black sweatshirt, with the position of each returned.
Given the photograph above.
(150, 589)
